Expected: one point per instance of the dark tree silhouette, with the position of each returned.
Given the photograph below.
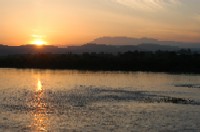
(166, 61)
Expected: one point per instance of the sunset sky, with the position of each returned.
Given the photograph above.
(81, 21)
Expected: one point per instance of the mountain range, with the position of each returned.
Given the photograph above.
(136, 41)
(113, 45)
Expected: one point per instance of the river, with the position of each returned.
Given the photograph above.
(70, 100)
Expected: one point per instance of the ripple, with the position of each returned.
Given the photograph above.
(188, 85)
(26, 100)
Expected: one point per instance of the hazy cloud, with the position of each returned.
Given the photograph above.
(148, 5)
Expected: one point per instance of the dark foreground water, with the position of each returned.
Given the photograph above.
(64, 100)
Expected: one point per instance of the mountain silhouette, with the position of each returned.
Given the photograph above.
(123, 40)
(145, 40)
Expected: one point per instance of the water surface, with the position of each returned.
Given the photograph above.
(66, 100)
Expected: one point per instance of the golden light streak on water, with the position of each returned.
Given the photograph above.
(39, 85)
(40, 118)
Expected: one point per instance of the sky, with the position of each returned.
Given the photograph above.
(68, 22)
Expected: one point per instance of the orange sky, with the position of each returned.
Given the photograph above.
(80, 21)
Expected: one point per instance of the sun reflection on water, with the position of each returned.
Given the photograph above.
(40, 119)
(39, 85)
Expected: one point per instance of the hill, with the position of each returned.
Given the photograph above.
(137, 41)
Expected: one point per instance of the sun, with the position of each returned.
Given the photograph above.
(39, 42)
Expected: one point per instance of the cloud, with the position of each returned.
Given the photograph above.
(148, 5)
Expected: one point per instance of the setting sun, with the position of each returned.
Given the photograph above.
(39, 42)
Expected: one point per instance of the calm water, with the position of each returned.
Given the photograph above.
(65, 100)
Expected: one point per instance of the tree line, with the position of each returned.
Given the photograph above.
(162, 61)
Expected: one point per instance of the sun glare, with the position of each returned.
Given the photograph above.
(38, 40)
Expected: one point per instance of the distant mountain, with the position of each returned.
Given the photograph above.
(155, 47)
(137, 41)
(90, 48)
(2, 45)
(98, 48)
(123, 40)
(29, 49)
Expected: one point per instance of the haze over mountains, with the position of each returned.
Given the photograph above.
(112, 45)
(136, 41)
